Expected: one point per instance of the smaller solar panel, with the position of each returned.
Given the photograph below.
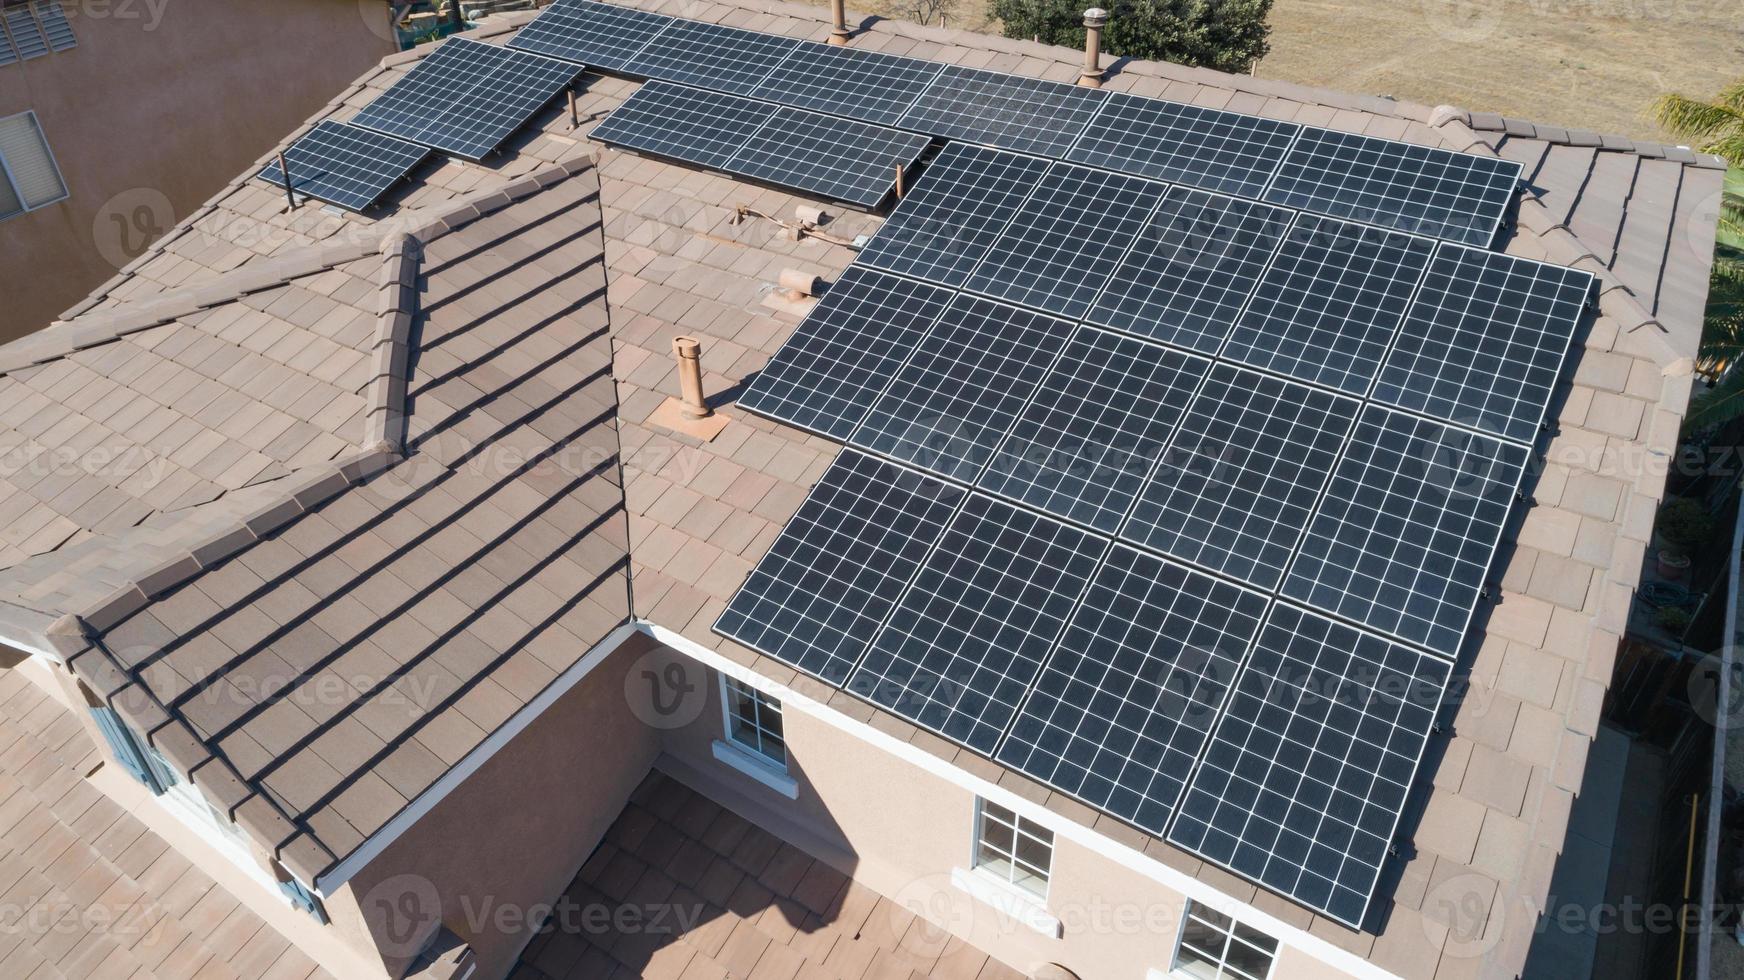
(948, 407)
(838, 567)
(1461, 197)
(848, 82)
(55, 24)
(1186, 144)
(945, 225)
(467, 97)
(1129, 695)
(345, 165)
(26, 33)
(1408, 528)
(1235, 490)
(843, 159)
(1330, 303)
(599, 35)
(1010, 111)
(968, 637)
(825, 378)
(1191, 269)
(1312, 762)
(1086, 441)
(1485, 340)
(1065, 241)
(705, 128)
(725, 59)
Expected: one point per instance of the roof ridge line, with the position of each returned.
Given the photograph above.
(1492, 122)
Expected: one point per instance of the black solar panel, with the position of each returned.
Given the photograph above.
(848, 82)
(26, 33)
(1312, 761)
(836, 158)
(345, 165)
(1407, 528)
(968, 637)
(1191, 269)
(1485, 340)
(1461, 197)
(1234, 491)
(1330, 303)
(1065, 241)
(818, 595)
(1185, 144)
(1027, 114)
(705, 128)
(825, 378)
(726, 59)
(599, 35)
(1084, 444)
(961, 391)
(1129, 695)
(55, 24)
(467, 97)
(961, 203)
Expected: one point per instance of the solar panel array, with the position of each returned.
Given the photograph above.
(597, 35)
(345, 165)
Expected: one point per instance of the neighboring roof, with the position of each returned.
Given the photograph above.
(678, 261)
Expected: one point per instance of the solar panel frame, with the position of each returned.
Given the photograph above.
(861, 534)
(711, 56)
(599, 35)
(1452, 488)
(55, 25)
(1486, 340)
(949, 220)
(1128, 697)
(684, 123)
(969, 636)
(1211, 149)
(346, 165)
(1276, 754)
(827, 375)
(852, 82)
(467, 97)
(26, 33)
(844, 159)
(1013, 112)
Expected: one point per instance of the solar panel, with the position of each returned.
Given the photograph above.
(1010, 111)
(705, 128)
(968, 637)
(825, 378)
(1191, 269)
(1312, 761)
(1485, 340)
(55, 24)
(849, 82)
(467, 97)
(1186, 144)
(26, 33)
(1330, 303)
(726, 59)
(837, 158)
(1065, 241)
(1235, 490)
(1129, 695)
(1461, 197)
(947, 408)
(949, 220)
(818, 595)
(1099, 419)
(345, 165)
(599, 35)
(1407, 528)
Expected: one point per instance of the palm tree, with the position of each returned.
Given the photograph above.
(1714, 127)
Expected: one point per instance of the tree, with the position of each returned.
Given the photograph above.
(1228, 35)
(1716, 127)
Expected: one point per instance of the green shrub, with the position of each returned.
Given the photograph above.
(1228, 35)
(1685, 524)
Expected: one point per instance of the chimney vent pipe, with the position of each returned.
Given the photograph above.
(1094, 20)
(689, 353)
(839, 17)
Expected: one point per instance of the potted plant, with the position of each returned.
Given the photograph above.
(1684, 526)
(1673, 620)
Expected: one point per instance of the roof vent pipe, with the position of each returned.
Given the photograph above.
(1094, 20)
(839, 17)
(689, 351)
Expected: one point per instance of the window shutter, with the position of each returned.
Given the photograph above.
(122, 746)
(302, 898)
(29, 161)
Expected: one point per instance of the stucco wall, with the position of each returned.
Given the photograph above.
(162, 103)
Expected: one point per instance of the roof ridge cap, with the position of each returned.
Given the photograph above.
(385, 418)
(1493, 122)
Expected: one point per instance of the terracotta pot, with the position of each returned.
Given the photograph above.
(1673, 566)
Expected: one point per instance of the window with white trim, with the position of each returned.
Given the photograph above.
(29, 176)
(1012, 848)
(1214, 946)
(754, 722)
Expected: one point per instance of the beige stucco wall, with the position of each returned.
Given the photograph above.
(162, 103)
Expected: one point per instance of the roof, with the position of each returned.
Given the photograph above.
(676, 260)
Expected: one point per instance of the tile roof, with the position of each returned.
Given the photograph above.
(678, 259)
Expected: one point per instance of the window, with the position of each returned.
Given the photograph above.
(29, 176)
(1216, 947)
(754, 722)
(1012, 848)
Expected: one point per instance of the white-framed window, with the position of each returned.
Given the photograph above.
(753, 722)
(1214, 946)
(1014, 849)
(29, 176)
